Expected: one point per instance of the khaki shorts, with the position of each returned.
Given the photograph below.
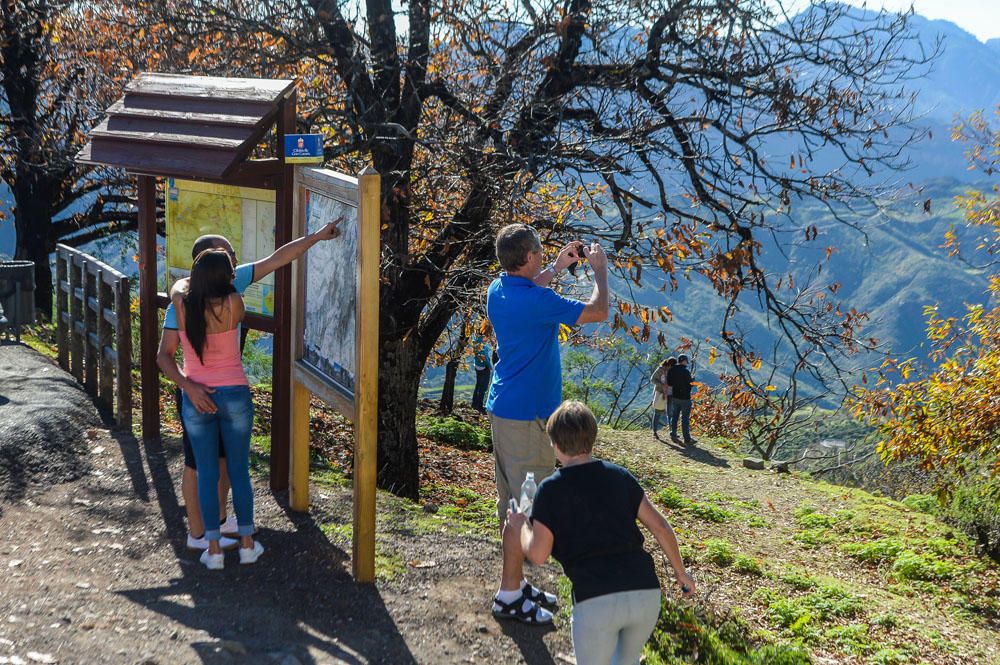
(519, 446)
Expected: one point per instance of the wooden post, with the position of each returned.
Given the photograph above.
(281, 368)
(123, 346)
(75, 319)
(148, 311)
(105, 378)
(62, 307)
(366, 386)
(298, 495)
(91, 352)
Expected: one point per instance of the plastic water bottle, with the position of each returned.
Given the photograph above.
(528, 489)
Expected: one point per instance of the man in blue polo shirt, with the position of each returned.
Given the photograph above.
(245, 275)
(527, 381)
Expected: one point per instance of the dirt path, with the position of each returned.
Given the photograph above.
(95, 571)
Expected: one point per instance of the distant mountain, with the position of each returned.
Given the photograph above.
(892, 273)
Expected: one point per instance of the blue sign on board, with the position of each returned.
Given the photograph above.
(304, 148)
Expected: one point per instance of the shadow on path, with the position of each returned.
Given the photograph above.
(529, 641)
(696, 454)
(299, 601)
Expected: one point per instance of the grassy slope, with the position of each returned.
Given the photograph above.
(849, 576)
(853, 577)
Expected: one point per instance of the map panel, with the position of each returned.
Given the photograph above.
(331, 282)
(242, 214)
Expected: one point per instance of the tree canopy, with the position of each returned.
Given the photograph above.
(949, 416)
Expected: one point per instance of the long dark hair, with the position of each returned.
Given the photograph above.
(211, 277)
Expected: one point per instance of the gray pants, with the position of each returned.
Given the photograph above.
(613, 629)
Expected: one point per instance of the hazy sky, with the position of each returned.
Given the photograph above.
(980, 17)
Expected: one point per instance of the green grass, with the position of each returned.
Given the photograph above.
(748, 565)
(686, 634)
(882, 550)
(456, 433)
(913, 566)
(720, 552)
(462, 509)
(670, 497)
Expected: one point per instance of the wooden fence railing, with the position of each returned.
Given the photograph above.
(94, 329)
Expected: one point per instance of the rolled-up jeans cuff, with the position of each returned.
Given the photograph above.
(246, 529)
(212, 534)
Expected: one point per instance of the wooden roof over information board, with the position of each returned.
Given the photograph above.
(186, 126)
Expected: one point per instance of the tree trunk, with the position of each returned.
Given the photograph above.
(31, 225)
(398, 380)
(448, 392)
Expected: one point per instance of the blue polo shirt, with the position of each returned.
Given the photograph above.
(241, 282)
(527, 380)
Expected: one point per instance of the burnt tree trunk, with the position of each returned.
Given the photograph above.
(398, 379)
(451, 373)
(448, 391)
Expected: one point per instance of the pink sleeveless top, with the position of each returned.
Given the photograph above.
(223, 364)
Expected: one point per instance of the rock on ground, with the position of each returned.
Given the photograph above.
(44, 418)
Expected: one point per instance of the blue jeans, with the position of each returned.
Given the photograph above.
(680, 409)
(657, 416)
(233, 422)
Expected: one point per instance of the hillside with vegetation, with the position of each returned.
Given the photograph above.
(791, 570)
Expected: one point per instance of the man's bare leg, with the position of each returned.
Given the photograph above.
(513, 559)
(189, 490)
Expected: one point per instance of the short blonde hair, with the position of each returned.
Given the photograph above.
(573, 428)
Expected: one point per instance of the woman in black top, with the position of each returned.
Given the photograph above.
(584, 515)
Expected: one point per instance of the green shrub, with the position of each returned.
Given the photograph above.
(924, 503)
(812, 538)
(710, 512)
(670, 497)
(454, 432)
(684, 634)
(830, 600)
(888, 657)
(913, 566)
(816, 521)
(720, 552)
(798, 580)
(852, 638)
(747, 565)
(943, 547)
(888, 621)
(878, 551)
(788, 612)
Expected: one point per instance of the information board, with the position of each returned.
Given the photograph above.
(331, 285)
(244, 215)
(327, 279)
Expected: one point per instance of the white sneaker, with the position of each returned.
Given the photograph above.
(213, 561)
(251, 554)
(230, 527)
(202, 543)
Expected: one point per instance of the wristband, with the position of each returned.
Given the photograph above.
(552, 267)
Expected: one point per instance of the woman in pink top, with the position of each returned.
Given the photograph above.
(208, 318)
